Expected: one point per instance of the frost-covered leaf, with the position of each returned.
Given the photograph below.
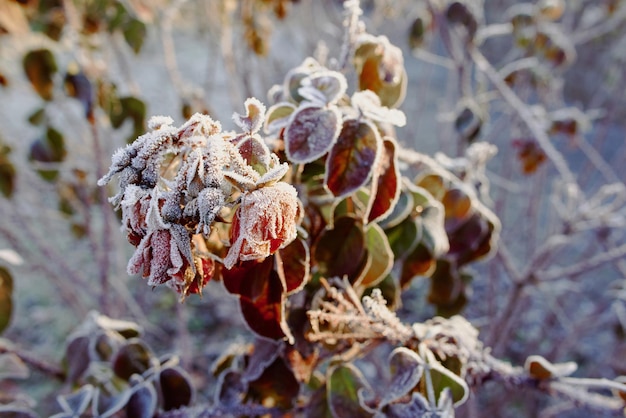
(406, 370)
(77, 357)
(380, 68)
(385, 184)
(540, 368)
(12, 367)
(417, 406)
(447, 288)
(461, 14)
(311, 133)
(176, 388)
(457, 204)
(443, 379)
(6, 298)
(401, 210)
(262, 304)
(255, 153)
(105, 405)
(143, 402)
(434, 234)
(420, 262)
(40, 66)
(234, 277)
(278, 116)
(323, 87)
(342, 387)
(293, 266)
(380, 254)
(351, 160)
(77, 402)
(253, 120)
(263, 355)
(404, 237)
(368, 103)
(134, 357)
(276, 386)
(339, 250)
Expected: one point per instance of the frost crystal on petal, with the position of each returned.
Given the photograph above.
(265, 221)
(254, 118)
(156, 122)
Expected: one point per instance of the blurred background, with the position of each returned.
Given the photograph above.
(80, 78)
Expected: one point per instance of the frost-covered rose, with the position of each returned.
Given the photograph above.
(265, 221)
(163, 255)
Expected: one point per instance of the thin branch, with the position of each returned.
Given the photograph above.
(609, 256)
(38, 364)
(525, 114)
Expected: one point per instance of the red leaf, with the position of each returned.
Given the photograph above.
(292, 266)
(352, 158)
(234, 278)
(386, 187)
(311, 133)
(262, 306)
(339, 251)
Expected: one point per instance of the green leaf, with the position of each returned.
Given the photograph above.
(401, 210)
(343, 384)
(311, 132)
(381, 256)
(133, 357)
(404, 237)
(277, 117)
(386, 183)
(77, 402)
(38, 117)
(134, 31)
(351, 160)
(340, 249)
(433, 231)
(176, 388)
(443, 378)
(39, 66)
(131, 108)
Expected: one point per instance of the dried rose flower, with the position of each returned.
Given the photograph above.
(265, 221)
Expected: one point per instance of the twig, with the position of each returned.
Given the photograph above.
(40, 365)
(104, 261)
(525, 114)
(610, 256)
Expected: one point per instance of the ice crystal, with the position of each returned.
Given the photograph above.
(265, 221)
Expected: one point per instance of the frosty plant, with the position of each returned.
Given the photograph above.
(304, 214)
(177, 184)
